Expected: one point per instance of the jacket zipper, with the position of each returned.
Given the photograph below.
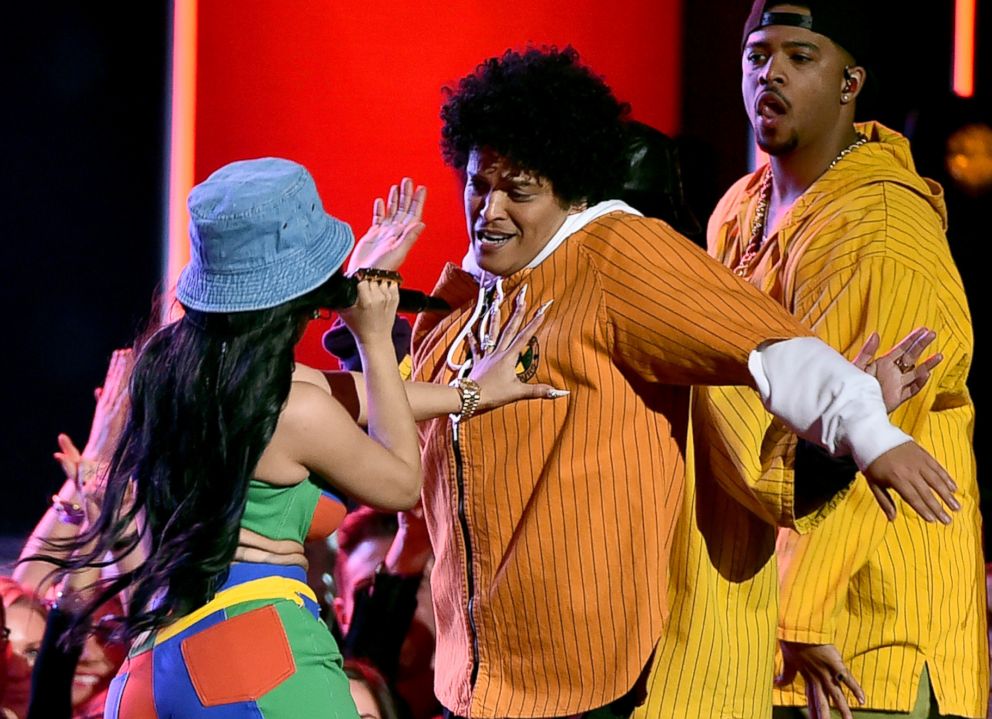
(467, 538)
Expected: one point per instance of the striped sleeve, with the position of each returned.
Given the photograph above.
(752, 456)
(675, 315)
(846, 296)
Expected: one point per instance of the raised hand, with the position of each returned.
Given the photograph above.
(897, 371)
(89, 476)
(112, 404)
(824, 674)
(396, 225)
(71, 459)
(494, 362)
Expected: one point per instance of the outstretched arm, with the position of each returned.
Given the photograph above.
(494, 371)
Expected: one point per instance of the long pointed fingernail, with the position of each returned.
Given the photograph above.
(522, 296)
(543, 308)
(556, 393)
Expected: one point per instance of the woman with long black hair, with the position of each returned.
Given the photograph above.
(228, 444)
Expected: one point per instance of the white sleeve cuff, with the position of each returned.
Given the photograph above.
(824, 398)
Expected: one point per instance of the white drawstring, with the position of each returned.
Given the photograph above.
(461, 369)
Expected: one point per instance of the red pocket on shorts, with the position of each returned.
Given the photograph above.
(239, 659)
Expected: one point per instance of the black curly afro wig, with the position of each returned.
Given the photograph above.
(547, 114)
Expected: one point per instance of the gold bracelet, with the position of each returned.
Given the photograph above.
(470, 394)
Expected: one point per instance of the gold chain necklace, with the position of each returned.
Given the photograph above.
(757, 236)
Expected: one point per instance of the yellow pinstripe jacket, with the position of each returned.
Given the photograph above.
(716, 657)
(864, 249)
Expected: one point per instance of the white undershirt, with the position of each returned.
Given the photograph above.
(824, 398)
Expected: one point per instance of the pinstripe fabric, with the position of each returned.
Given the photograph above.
(571, 505)
(717, 655)
(863, 249)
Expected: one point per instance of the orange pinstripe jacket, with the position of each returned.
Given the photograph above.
(552, 522)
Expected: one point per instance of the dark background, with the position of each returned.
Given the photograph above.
(83, 141)
(82, 150)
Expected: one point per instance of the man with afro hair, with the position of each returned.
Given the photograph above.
(552, 523)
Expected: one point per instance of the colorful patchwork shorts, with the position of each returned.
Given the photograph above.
(258, 650)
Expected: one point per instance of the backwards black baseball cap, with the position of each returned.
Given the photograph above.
(843, 21)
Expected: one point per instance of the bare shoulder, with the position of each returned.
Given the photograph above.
(308, 408)
(308, 402)
(308, 375)
(309, 417)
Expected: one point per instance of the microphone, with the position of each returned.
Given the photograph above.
(417, 301)
(345, 294)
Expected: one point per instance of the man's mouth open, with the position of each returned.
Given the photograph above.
(770, 107)
(493, 238)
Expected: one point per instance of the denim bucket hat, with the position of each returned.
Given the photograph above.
(259, 237)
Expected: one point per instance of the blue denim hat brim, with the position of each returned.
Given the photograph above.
(259, 237)
(271, 285)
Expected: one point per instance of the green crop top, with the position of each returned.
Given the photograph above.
(282, 513)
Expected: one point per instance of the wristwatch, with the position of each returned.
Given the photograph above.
(470, 394)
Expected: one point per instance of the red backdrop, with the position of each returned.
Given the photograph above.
(352, 90)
